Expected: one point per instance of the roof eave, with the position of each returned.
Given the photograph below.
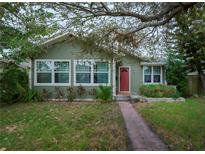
(152, 63)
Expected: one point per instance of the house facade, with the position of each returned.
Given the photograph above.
(64, 65)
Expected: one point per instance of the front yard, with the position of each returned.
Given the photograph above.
(180, 125)
(62, 126)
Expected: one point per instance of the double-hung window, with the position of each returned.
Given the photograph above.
(152, 74)
(101, 72)
(52, 72)
(61, 71)
(91, 72)
(156, 74)
(44, 71)
(83, 72)
(147, 74)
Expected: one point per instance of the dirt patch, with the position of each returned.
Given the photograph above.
(13, 128)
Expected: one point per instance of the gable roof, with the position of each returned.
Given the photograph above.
(56, 39)
(63, 37)
(152, 63)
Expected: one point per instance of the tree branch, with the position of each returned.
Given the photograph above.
(169, 7)
(105, 6)
(157, 23)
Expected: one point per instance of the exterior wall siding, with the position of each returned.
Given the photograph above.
(71, 52)
(136, 77)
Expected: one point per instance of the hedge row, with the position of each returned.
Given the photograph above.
(158, 90)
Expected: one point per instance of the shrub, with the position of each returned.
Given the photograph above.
(176, 72)
(14, 84)
(81, 90)
(59, 93)
(71, 94)
(32, 96)
(104, 93)
(158, 90)
(45, 94)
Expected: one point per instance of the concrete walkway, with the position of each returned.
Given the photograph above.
(141, 136)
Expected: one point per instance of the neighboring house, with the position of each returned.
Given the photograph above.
(64, 65)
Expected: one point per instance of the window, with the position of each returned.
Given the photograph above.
(61, 70)
(147, 74)
(44, 71)
(152, 74)
(51, 72)
(156, 74)
(91, 72)
(101, 71)
(83, 72)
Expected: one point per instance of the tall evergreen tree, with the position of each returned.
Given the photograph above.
(176, 72)
(190, 39)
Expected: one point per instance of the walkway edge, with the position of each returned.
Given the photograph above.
(141, 136)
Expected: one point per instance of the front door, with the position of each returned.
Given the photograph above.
(124, 79)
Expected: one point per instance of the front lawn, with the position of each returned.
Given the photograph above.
(180, 125)
(62, 126)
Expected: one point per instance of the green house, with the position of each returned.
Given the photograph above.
(64, 65)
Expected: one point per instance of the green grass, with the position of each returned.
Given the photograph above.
(62, 126)
(180, 125)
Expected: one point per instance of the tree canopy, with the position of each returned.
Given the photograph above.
(22, 25)
(190, 40)
(118, 26)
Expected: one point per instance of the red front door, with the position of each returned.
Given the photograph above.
(124, 79)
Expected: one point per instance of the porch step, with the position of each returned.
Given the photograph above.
(123, 98)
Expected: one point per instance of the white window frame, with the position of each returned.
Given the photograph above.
(52, 73)
(92, 73)
(152, 74)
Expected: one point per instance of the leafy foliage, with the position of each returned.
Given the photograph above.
(32, 96)
(117, 25)
(104, 93)
(59, 93)
(22, 26)
(176, 72)
(132, 27)
(13, 81)
(71, 94)
(45, 94)
(120, 26)
(188, 37)
(14, 86)
(191, 36)
(158, 91)
(81, 91)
